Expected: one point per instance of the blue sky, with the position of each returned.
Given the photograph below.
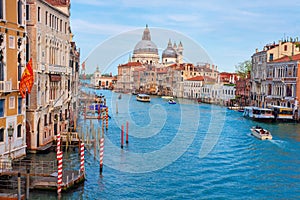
(229, 31)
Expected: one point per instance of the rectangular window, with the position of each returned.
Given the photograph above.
(65, 27)
(50, 122)
(1, 9)
(2, 104)
(46, 18)
(20, 11)
(11, 42)
(11, 102)
(19, 131)
(285, 47)
(19, 105)
(27, 12)
(1, 135)
(271, 57)
(50, 20)
(39, 14)
(45, 120)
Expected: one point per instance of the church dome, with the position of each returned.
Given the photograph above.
(145, 46)
(169, 52)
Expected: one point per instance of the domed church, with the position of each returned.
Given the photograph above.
(146, 52)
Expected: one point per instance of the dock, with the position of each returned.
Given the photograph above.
(25, 175)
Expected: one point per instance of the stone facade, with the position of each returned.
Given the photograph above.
(269, 53)
(49, 47)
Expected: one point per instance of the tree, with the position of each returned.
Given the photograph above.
(243, 68)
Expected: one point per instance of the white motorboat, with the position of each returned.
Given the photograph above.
(261, 133)
(171, 101)
(143, 97)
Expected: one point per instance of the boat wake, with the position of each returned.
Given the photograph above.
(280, 143)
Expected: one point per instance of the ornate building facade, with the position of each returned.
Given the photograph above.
(12, 64)
(49, 47)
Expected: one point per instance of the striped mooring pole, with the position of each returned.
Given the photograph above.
(59, 157)
(101, 154)
(106, 118)
(82, 157)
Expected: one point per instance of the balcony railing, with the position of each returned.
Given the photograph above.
(5, 86)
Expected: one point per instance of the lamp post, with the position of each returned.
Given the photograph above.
(10, 131)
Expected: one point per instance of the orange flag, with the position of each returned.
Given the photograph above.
(27, 79)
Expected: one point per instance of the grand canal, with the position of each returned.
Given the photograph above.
(186, 151)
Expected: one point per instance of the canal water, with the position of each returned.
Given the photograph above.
(184, 151)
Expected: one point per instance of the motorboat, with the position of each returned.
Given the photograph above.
(143, 97)
(261, 133)
(171, 101)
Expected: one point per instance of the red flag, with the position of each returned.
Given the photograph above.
(27, 79)
(83, 65)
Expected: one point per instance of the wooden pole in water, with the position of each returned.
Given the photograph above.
(122, 136)
(117, 107)
(127, 132)
(19, 186)
(27, 183)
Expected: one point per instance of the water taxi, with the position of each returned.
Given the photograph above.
(282, 113)
(258, 114)
(261, 133)
(171, 101)
(143, 98)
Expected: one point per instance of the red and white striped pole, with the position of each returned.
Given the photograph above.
(127, 132)
(122, 136)
(106, 118)
(59, 171)
(58, 143)
(59, 156)
(82, 157)
(101, 154)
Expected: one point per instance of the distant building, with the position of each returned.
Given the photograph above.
(145, 73)
(243, 88)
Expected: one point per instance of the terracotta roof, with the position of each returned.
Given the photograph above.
(196, 78)
(131, 64)
(288, 58)
(59, 2)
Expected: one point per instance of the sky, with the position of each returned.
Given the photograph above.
(229, 31)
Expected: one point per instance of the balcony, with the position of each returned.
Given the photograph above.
(5, 86)
(57, 69)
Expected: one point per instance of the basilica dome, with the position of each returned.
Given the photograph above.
(145, 51)
(145, 46)
(169, 52)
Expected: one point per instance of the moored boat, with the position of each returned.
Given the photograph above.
(143, 97)
(167, 97)
(261, 133)
(258, 114)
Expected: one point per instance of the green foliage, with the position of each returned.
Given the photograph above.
(243, 68)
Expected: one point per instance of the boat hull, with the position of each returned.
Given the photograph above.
(262, 136)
